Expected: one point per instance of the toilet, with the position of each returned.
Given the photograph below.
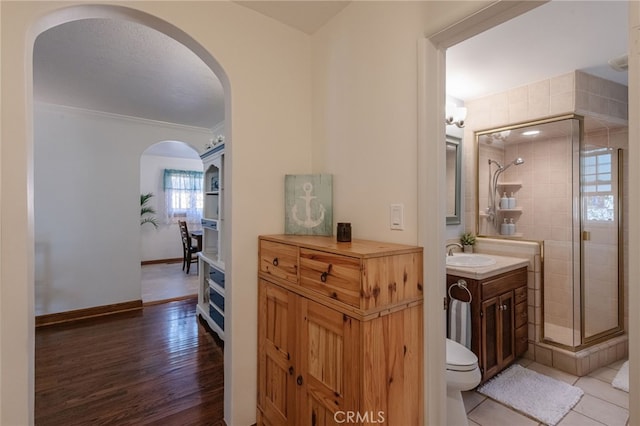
(463, 374)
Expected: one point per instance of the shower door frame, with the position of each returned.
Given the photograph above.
(619, 329)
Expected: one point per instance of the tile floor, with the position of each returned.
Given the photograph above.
(167, 281)
(600, 405)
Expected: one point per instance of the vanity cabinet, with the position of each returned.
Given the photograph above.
(498, 318)
(211, 288)
(339, 332)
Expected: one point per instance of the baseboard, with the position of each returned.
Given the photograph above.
(78, 314)
(157, 261)
(173, 299)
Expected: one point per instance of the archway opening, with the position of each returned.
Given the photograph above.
(94, 175)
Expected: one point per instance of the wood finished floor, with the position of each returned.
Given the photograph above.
(157, 366)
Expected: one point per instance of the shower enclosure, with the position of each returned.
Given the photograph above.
(558, 182)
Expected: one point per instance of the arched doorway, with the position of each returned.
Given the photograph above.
(109, 169)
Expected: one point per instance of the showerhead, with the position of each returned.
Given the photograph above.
(516, 162)
(501, 169)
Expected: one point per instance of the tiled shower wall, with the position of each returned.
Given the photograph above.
(575, 92)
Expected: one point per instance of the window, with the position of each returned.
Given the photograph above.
(597, 186)
(183, 195)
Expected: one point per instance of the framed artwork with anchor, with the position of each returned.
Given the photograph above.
(308, 204)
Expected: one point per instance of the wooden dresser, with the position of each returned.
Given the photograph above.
(339, 332)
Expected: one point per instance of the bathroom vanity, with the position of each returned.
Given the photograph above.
(339, 331)
(499, 315)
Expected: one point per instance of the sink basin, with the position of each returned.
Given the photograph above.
(470, 260)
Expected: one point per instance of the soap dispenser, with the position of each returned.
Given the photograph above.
(512, 201)
(511, 227)
(504, 201)
(504, 227)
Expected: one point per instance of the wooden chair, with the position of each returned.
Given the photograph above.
(188, 249)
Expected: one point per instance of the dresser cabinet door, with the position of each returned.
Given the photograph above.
(507, 329)
(329, 346)
(276, 343)
(490, 315)
(498, 345)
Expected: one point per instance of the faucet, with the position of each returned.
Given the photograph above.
(450, 251)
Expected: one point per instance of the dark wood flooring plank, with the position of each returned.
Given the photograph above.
(154, 366)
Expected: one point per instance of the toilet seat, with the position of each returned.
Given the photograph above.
(459, 358)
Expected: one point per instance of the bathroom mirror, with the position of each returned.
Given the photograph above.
(453, 166)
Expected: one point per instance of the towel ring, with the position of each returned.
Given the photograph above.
(460, 284)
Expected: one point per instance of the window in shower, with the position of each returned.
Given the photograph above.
(597, 187)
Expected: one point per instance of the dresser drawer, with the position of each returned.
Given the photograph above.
(521, 314)
(332, 275)
(216, 316)
(501, 284)
(216, 298)
(279, 260)
(217, 276)
(520, 294)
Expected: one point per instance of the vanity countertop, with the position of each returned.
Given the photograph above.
(503, 264)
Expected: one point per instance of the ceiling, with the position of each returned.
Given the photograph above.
(305, 15)
(125, 68)
(550, 40)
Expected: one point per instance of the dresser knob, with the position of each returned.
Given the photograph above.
(323, 277)
(299, 380)
(275, 261)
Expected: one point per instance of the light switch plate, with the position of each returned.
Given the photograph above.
(396, 216)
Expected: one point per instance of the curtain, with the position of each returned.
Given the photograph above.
(183, 195)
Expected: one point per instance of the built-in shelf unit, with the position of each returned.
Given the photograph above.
(211, 289)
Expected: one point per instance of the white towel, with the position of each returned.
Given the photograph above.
(460, 322)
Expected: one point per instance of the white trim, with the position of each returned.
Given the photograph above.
(432, 224)
(634, 212)
(130, 118)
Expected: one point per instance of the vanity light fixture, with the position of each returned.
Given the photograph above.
(531, 133)
(455, 115)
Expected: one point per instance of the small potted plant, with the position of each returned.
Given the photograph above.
(468, 240)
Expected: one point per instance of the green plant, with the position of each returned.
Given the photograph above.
(467, 239)
(147, 210)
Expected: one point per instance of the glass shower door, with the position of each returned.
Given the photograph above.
(600, 204)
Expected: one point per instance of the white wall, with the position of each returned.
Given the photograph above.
(365, 117)
(163, 242)
(87, 201)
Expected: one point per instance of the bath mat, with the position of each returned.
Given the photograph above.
(621, 381)
(536, 395)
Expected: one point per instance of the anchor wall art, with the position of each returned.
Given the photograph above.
(308, 204)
